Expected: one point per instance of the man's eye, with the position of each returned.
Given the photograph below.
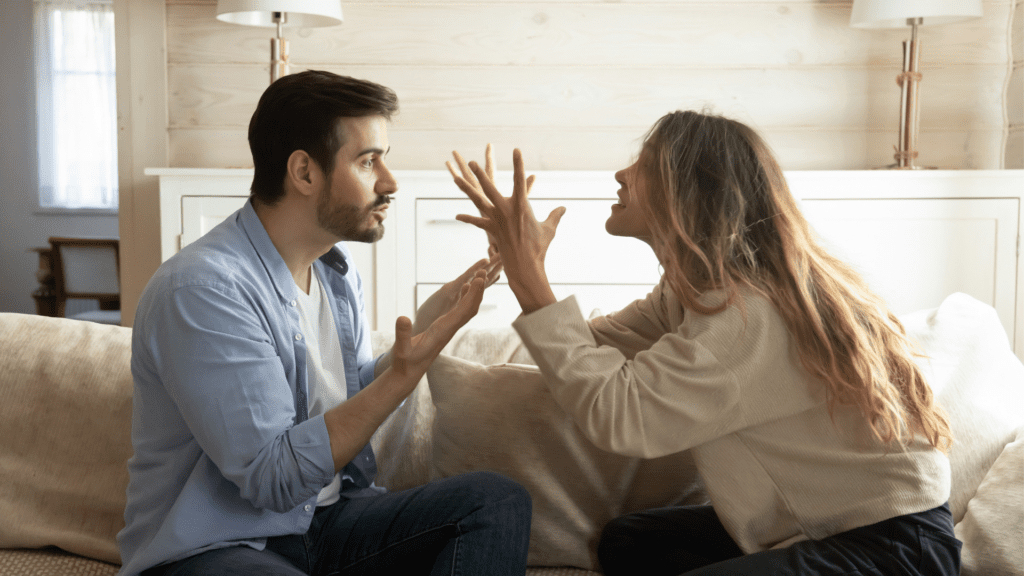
(368, 162)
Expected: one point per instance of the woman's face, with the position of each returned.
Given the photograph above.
(627, 218)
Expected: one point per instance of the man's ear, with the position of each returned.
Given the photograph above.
(304, 174)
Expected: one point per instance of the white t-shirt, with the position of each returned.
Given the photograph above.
(325, 367)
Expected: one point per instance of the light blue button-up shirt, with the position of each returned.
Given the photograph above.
(225, 452)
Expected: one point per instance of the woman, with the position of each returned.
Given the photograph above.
(795, 387)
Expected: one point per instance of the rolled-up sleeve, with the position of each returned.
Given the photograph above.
(220, 366)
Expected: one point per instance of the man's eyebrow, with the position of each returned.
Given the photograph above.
(380, 151)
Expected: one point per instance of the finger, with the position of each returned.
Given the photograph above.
(555, 217)
(518, 176)
(403, 335)
(489, 160)
(464, 167)
(529, 183)
(451, 169)
(470, 301)
(481, 223)
(494, 272)
(486, 184)
(494, 263)
(473, 193)
(441, 331)
(483, 264)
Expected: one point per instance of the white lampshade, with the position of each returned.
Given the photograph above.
(894, 13)
(301, 13)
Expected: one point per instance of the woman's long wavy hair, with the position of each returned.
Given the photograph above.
(722, 217)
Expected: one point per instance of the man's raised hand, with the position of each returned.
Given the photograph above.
(412, 355)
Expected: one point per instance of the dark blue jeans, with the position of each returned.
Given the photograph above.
(473, 524)
(691, 541)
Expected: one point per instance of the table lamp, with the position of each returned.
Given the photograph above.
(280, 13)
(913, 13)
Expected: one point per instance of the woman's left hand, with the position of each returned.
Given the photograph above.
(521, 239)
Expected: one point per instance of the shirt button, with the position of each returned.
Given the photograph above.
(298, 336)
(292, 303)
(307, 508)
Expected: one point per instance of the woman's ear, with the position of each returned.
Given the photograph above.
(303, 174)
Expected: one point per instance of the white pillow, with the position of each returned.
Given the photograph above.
(978, 380)
(993, 527)
(503, 418)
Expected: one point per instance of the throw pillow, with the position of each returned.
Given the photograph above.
(978, 380)
(503, 418)
(993, 527)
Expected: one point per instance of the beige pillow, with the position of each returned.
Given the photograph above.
(503, 419)
(65, 425)
(993, 527)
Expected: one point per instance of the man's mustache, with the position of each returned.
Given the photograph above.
(382, 201)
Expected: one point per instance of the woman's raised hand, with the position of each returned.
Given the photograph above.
(521, 240)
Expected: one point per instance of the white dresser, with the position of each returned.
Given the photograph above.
(917, 236)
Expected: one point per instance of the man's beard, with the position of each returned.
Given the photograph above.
(345, 221)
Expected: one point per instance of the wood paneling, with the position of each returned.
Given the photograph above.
(441, 98)
(1015, 148)
(576, 83)
(796, 148)
(688, 34)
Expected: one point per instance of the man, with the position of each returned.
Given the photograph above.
(249, 348)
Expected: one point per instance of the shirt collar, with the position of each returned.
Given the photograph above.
(278, 271)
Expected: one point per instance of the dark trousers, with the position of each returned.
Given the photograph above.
(477, 523)
(691, 541)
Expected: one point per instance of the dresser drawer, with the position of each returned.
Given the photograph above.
(499, 307)
(581, 253)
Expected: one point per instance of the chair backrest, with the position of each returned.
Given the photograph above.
(85, 268)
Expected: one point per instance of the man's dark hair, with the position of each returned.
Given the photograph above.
(301, 112)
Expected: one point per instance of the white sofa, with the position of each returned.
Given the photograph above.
(65, 405)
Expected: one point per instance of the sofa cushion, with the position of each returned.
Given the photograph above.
(65, 417)
(51, 562)
(992, 529)
(503, 418)
(978, 380)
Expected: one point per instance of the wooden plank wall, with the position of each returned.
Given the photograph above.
(575, 83)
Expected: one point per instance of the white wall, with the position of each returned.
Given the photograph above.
(21, 227)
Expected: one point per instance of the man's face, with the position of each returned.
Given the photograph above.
(353, 203)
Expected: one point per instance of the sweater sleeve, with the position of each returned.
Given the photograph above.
(667, 398)
(704, 377)
(636, 327)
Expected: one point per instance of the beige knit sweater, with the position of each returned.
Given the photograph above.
(652, 380)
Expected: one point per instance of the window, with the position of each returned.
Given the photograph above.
(76, 104)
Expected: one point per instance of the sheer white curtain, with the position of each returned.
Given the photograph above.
(76, 103)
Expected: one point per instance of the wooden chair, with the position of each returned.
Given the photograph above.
(88, 268)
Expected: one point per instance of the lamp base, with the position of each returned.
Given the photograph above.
(278, 58)
(905, 161)
(898, 167)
